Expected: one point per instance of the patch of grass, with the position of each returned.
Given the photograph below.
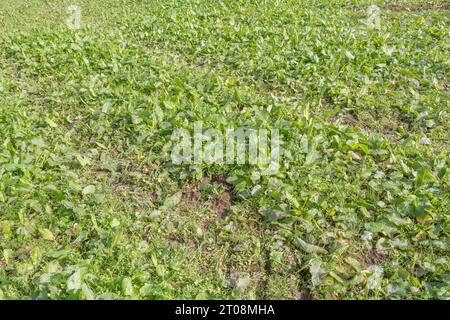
(92, 207)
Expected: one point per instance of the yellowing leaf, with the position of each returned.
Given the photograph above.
(47, 234)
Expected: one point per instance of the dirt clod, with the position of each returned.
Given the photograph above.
(223, 202)
(191, 195)
(376, 257)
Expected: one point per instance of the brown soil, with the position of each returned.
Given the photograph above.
(191, 195)
(375, 257)
(222, 203)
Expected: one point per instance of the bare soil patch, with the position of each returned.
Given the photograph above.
(222, 203)
(375, 257)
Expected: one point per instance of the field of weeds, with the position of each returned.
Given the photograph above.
(92, 205)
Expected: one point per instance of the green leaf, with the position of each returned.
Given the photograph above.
(46, 234)
(309, 248)
(172, 201)
(88, 189)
